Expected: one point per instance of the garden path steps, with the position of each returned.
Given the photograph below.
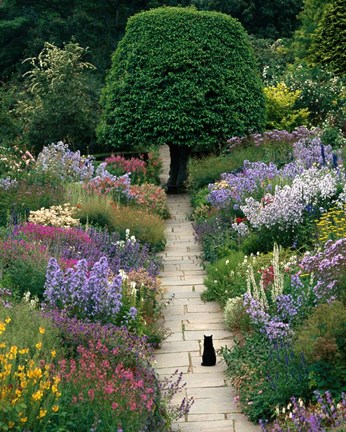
(188, 318)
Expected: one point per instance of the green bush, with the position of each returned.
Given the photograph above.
(322, 341)
(23, 267)
(181, 76)
(223, 281)
(266, 375)
(280, 108)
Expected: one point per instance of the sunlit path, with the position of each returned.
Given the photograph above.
(189, 319)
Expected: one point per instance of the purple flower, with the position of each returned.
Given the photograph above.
(95, 294)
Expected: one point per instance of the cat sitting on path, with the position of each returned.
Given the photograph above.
(209, 356)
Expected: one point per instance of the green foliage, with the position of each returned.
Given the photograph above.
(223, 281)
(322, 93)
(58, 103)
(208, 169)
(183, 77)
(280, 107)
(265, 375)
(328, 45)
(102, 212)
(309, 18)
(26, 25)
(23, 330)
(272, 58)
(16, 202)
(322, 341)
(23, 267)
(266, 19)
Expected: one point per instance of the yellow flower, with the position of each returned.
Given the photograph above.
(13, 349)
(43, 412)
(53, 353)
(42, 330)
(10, 425)
(24, 419)
(7, 320)
(38, 345)
(24, 351)
(2, 345)
(37, 395)
(55, 408)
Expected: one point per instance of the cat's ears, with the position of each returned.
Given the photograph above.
(208, 336)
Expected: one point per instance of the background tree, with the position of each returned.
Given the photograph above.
(329, 39)
(58, 102)
(309, 19)
(182, 77)
(263, 18)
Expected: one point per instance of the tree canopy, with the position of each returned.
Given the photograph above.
(184, 77)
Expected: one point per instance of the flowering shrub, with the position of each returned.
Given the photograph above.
(275, 135)
(285, 208)
(324, 415)
(95, 294)
(105, 183)
(14, 160)
(311, 152)
(101, 392)
(151, 197)
(29, 393)
(58, 216)
(255, 179)
(331, 225)
(118, 165)
(59, 161)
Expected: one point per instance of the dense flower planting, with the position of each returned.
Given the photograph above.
(96, 288)
(288, 300)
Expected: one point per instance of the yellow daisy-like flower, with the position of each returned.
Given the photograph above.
(42, 414)
(53, 353)
(7, 320)
(41, 330)
(37, 395)
(2, 345)
(38, 345)
(24, 419)
(55, 408)
(24, 351)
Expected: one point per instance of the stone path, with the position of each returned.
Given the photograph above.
(189, 319)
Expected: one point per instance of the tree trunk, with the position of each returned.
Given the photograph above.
(178, 168)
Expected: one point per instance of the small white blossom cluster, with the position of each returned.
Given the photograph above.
(57, 216)
(241, 229)
(33, 302)
(285, 208)
(128, 239)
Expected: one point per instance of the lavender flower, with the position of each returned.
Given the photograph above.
(59, 160)
(95, 295)
(8, 183)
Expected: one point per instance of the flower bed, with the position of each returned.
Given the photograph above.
(274, 238)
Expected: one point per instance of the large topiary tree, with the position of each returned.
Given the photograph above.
(182, 77)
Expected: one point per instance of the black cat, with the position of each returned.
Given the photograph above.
(209, 356)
